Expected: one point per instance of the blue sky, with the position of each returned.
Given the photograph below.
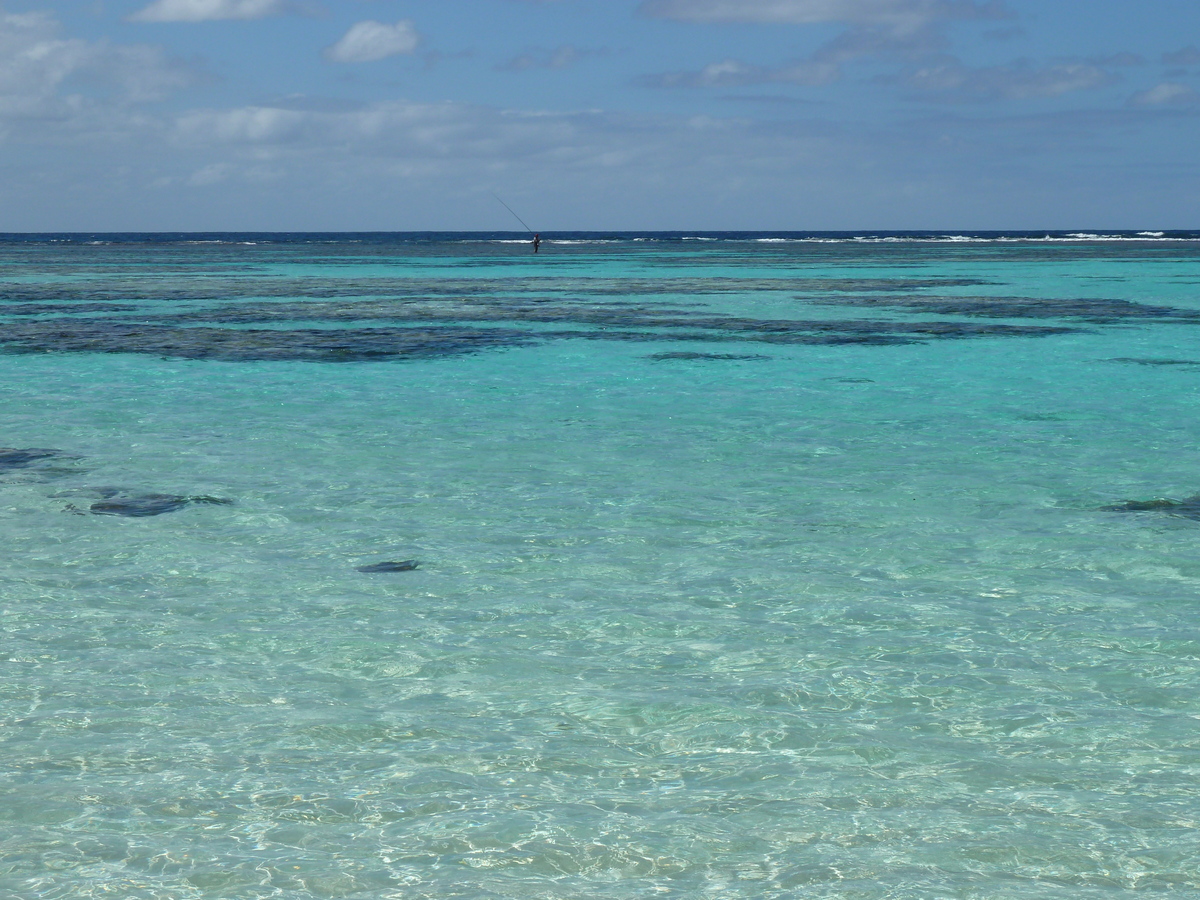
(599, 114)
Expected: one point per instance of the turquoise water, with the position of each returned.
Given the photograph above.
(745, 569)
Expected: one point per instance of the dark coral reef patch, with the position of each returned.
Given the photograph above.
(14, 458)
(222, 287)
(1153, 361)
(1092, 311)
(111, 501)
(36, 463)
(1188, 508)
(427, 333)
(324, 345)
(404, 565)
(257, 316)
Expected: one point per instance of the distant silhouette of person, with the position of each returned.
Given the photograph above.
(537, 242)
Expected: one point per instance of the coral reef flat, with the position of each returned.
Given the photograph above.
(758, 567)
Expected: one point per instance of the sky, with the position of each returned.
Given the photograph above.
(399, 115)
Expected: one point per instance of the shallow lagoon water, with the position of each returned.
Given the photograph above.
(842, 619)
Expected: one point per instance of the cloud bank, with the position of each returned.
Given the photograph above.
(950, 80)
(39, 67)
(888, 29)
(734, 73)
(88, 145)
(559, 58)
(898, 17)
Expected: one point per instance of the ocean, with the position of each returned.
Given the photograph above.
(709, 565)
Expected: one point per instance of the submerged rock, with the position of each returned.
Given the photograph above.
(55, 309)
(12, 458)
(686, 355)
(404, 565)
(1187, 509)
(1099, 311)
(427, 329)
(122, 503)
(1155, 361)
(113, 335)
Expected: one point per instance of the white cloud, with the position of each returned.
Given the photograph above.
(729, 71)
(250, 124)
(206, 10)
(1166, 94)
(395, 128)
(454, 148)
(34, 61)
(38, 65)
(306, 163)
(369, 41)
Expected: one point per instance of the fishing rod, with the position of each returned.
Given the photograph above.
(510, 209)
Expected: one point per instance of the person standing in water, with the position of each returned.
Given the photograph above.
(537, 240)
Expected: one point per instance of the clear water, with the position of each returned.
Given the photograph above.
(839, 617)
